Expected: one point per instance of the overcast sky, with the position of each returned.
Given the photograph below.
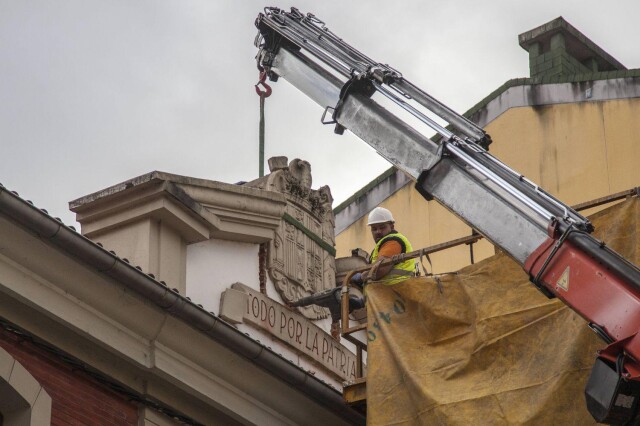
(93, 93)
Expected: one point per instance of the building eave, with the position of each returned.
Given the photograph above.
(522, 92)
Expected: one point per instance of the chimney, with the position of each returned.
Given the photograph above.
(557, 49)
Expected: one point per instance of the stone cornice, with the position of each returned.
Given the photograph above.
(245, 214)
(199, 209)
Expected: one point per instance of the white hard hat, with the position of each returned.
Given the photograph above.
(380, 215)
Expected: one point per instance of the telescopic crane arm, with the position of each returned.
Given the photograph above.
(548, 238)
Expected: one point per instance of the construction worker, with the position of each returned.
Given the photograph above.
(389, 243)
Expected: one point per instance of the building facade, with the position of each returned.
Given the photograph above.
(171, 306)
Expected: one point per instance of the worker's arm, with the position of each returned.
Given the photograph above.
(387, 250)
(381, 272)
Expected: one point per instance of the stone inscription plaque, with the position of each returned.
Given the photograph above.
(293, 329)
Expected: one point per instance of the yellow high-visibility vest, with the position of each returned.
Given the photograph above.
(401, 271)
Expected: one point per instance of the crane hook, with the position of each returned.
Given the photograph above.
(262, 82)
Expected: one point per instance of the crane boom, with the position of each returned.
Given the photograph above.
(550, 240)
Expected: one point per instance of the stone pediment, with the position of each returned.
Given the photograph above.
(301, 257)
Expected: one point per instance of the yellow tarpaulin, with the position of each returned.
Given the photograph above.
(484, 346)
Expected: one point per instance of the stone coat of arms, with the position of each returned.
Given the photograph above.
(301, 257)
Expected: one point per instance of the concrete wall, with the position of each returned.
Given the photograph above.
(576, 151)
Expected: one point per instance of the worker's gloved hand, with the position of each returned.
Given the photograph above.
(356, 278)
(355, 302)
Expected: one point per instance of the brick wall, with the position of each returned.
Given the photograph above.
(77, 399)
(556, 62)
(554, 59)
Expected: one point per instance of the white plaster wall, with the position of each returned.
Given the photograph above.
(213, 265)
